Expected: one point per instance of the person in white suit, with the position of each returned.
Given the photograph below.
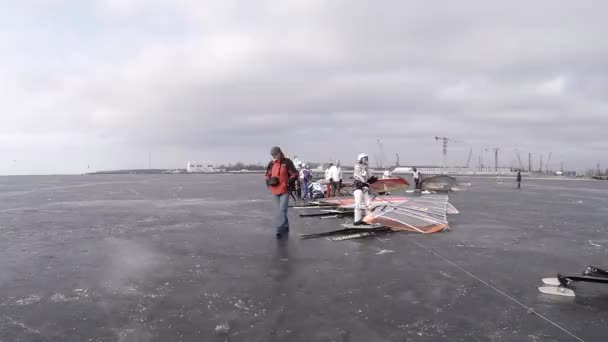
(362, 178)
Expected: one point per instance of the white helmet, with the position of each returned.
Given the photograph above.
(361, 156)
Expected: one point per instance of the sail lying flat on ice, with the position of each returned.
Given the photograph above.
(424, 214)
(442, 183)
(349, 202)
(389, 184)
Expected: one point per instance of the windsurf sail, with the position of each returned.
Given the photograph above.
(389, 184)
(438, 183)
(451, 210)
(349, 202)
(443, 183)
(424, 214)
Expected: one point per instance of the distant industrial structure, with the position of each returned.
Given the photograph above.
(437, 170)
(204, 167)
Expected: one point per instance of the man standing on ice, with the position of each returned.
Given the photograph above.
(334, 179)
(518, 179)
(281, 174)
(363, 178)
(416, 176)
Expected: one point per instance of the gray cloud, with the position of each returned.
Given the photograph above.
(107, 82)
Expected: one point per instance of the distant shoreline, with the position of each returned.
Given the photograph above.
(244, 172)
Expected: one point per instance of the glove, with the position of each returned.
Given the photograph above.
(372, 180)
(359, 185)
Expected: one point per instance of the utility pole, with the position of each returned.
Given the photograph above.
(529, 162)
(379, 162)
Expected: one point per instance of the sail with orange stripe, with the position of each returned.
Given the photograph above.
(424, 214)
(391, 184)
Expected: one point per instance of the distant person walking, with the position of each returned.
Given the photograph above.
(328, 180)
(417, 178)
(518, 179)
(280, 177)
(334, 179)
(340, 176)
(298, 182)
(305, 179)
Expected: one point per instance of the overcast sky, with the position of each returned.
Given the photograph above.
(106, 82)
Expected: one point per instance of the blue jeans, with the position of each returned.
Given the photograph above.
(305, 194)
(282, 202)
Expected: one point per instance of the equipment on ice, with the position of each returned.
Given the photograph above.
(424, 214)
(442, 183)
(562, 285)
(419, 213)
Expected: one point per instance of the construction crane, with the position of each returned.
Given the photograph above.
(444, 141)
(469, 159)
(521, 165)
(481, 158)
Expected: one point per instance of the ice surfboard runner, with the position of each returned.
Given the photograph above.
(561, 286)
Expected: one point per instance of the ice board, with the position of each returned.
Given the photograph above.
(556, 291)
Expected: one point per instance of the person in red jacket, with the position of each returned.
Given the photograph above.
(281, 175)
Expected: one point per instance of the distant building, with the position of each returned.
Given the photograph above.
(203, 167)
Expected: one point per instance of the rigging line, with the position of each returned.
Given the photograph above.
(429, 218)
(496, 289)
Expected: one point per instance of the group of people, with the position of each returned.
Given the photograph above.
(282, 176)
(333, 176)
(303, 187)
